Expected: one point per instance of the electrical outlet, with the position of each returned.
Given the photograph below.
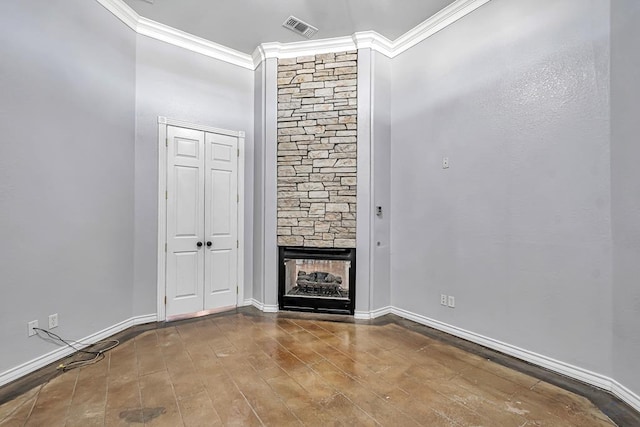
(30, 331)
(443, 299)
(451, 302)
(445, 163)
(53, 321)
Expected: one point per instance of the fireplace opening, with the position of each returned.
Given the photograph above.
(317, 279)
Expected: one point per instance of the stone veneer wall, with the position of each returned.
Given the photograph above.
(317, 122)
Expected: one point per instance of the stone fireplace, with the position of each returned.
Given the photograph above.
(317, 178)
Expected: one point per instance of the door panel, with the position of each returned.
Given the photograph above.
(187, 267)
(219, 275)
(187, 148)
(219, 209)
(187, 198)
(221, 152)
(185, 221)
(221, 228)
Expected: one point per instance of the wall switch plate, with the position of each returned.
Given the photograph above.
(30, 331)
(445, 163)
(443, 299)
(53, 321)
(451, 302)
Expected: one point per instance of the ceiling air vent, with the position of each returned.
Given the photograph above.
(300, 27)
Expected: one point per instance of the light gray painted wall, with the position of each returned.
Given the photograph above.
(373, 262)
(381, 141)
(259, 196)
(625, 179)
(516, 94)
(265, 287)
(270, 147)
(67, 79)
(364, 180)
(180, 84)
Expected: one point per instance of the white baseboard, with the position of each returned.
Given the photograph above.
(141, 320)
(247, 302)
(625, 395)
(368, 315)
(362, 315)
(62, 352)
(379, 312)
(270, 308)
(580, 374)
(265, 308)
(257, 304)
(529, 356)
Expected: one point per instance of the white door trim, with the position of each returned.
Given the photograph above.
(163, 122)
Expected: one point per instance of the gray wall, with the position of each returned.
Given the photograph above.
(258, 175)
(373, 263)
(364, 191)
(518, 229)
(381, 176)
(625, 179)
(67, 77)
(180, 84)
(270, 185)
(265, 244)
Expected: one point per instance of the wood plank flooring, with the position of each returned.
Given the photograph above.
(247, 370)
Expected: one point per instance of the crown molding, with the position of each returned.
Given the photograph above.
(373, 40)
(439, 21)
(167, 34)
(307, 47)
(258, 56)
(360, 40)
(158, 31)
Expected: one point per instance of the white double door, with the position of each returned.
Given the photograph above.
(202, 221)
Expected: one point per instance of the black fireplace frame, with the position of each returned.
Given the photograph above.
(311, 304)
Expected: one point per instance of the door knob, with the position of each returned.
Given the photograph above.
(199, 244)
(208, 244)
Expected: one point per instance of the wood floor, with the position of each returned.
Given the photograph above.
(250, 370)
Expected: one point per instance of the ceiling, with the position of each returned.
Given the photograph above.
(245, 24)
